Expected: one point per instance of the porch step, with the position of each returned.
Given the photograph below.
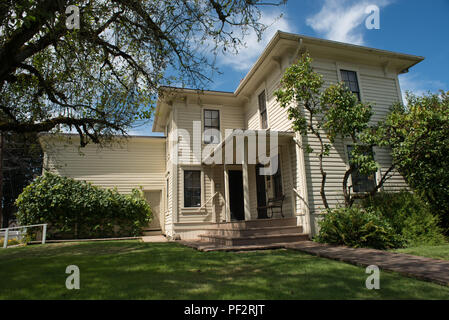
(254, 240)
(260, 223)
(255, 231)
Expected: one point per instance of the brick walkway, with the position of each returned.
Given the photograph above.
(418, 267)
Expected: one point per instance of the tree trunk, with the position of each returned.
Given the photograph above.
(346, 191)
(323, 183)
(2, 143)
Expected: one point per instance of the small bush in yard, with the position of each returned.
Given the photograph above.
(79, 209)
(358, 227)
(410, 216)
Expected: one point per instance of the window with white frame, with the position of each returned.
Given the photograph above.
(211, 126)
(350, 80)
(263, 110)
(361, 182)
(192, 188)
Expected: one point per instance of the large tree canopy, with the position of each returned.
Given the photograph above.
(99, 79)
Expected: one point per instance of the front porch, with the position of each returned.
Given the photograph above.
(251, 201)
(258, 171)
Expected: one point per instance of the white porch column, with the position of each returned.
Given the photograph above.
(226, 185)
(246, 204)
(307, 221)
(212, 190)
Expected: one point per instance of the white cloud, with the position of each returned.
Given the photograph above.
(343, 20)
(419, 86)
(247, 56)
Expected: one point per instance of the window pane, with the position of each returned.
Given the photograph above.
(207, 138)
(196, 197)
(353, 87)
(264, 120)
(262, 101)
(350, 80)
(352, 76)
(192, 188)
(361, 182)
(263, 110)
(211, 121)
(196, 183)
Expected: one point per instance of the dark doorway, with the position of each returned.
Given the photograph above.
(236, 195)
(261, 195)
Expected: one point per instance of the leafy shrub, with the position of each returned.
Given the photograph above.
(410, 216)
(418, 136)
(79, 209)
(357, 227)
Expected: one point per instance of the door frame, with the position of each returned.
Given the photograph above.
(243, 212)
(226, 169)
(162, 208)
(258, 192)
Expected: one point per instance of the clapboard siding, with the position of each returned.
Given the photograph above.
(380, 91)
(377, 89)
(137, 162)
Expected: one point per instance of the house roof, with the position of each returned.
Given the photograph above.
(400, 63)
(410, 60)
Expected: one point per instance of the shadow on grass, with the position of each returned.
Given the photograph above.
(134, 270)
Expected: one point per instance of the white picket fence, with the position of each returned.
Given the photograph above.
(8, 233)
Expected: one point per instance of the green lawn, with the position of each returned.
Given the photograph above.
(435, 252)
(135, 270)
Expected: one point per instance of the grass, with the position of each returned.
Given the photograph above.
(435, 252)
(135, 270)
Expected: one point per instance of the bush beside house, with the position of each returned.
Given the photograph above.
(387, 220)
(81, 210)
(410, 216)
(358, 228)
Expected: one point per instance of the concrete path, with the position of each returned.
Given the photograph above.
(155, 239)
(417, 267)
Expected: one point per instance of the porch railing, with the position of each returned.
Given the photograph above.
(208, 200)
(300, 197)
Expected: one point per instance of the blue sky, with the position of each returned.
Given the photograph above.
(408, 26)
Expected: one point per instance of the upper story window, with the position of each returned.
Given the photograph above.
(211, 126)
(361, 182)
(350, 80)
(263, 110)
(192, 188)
